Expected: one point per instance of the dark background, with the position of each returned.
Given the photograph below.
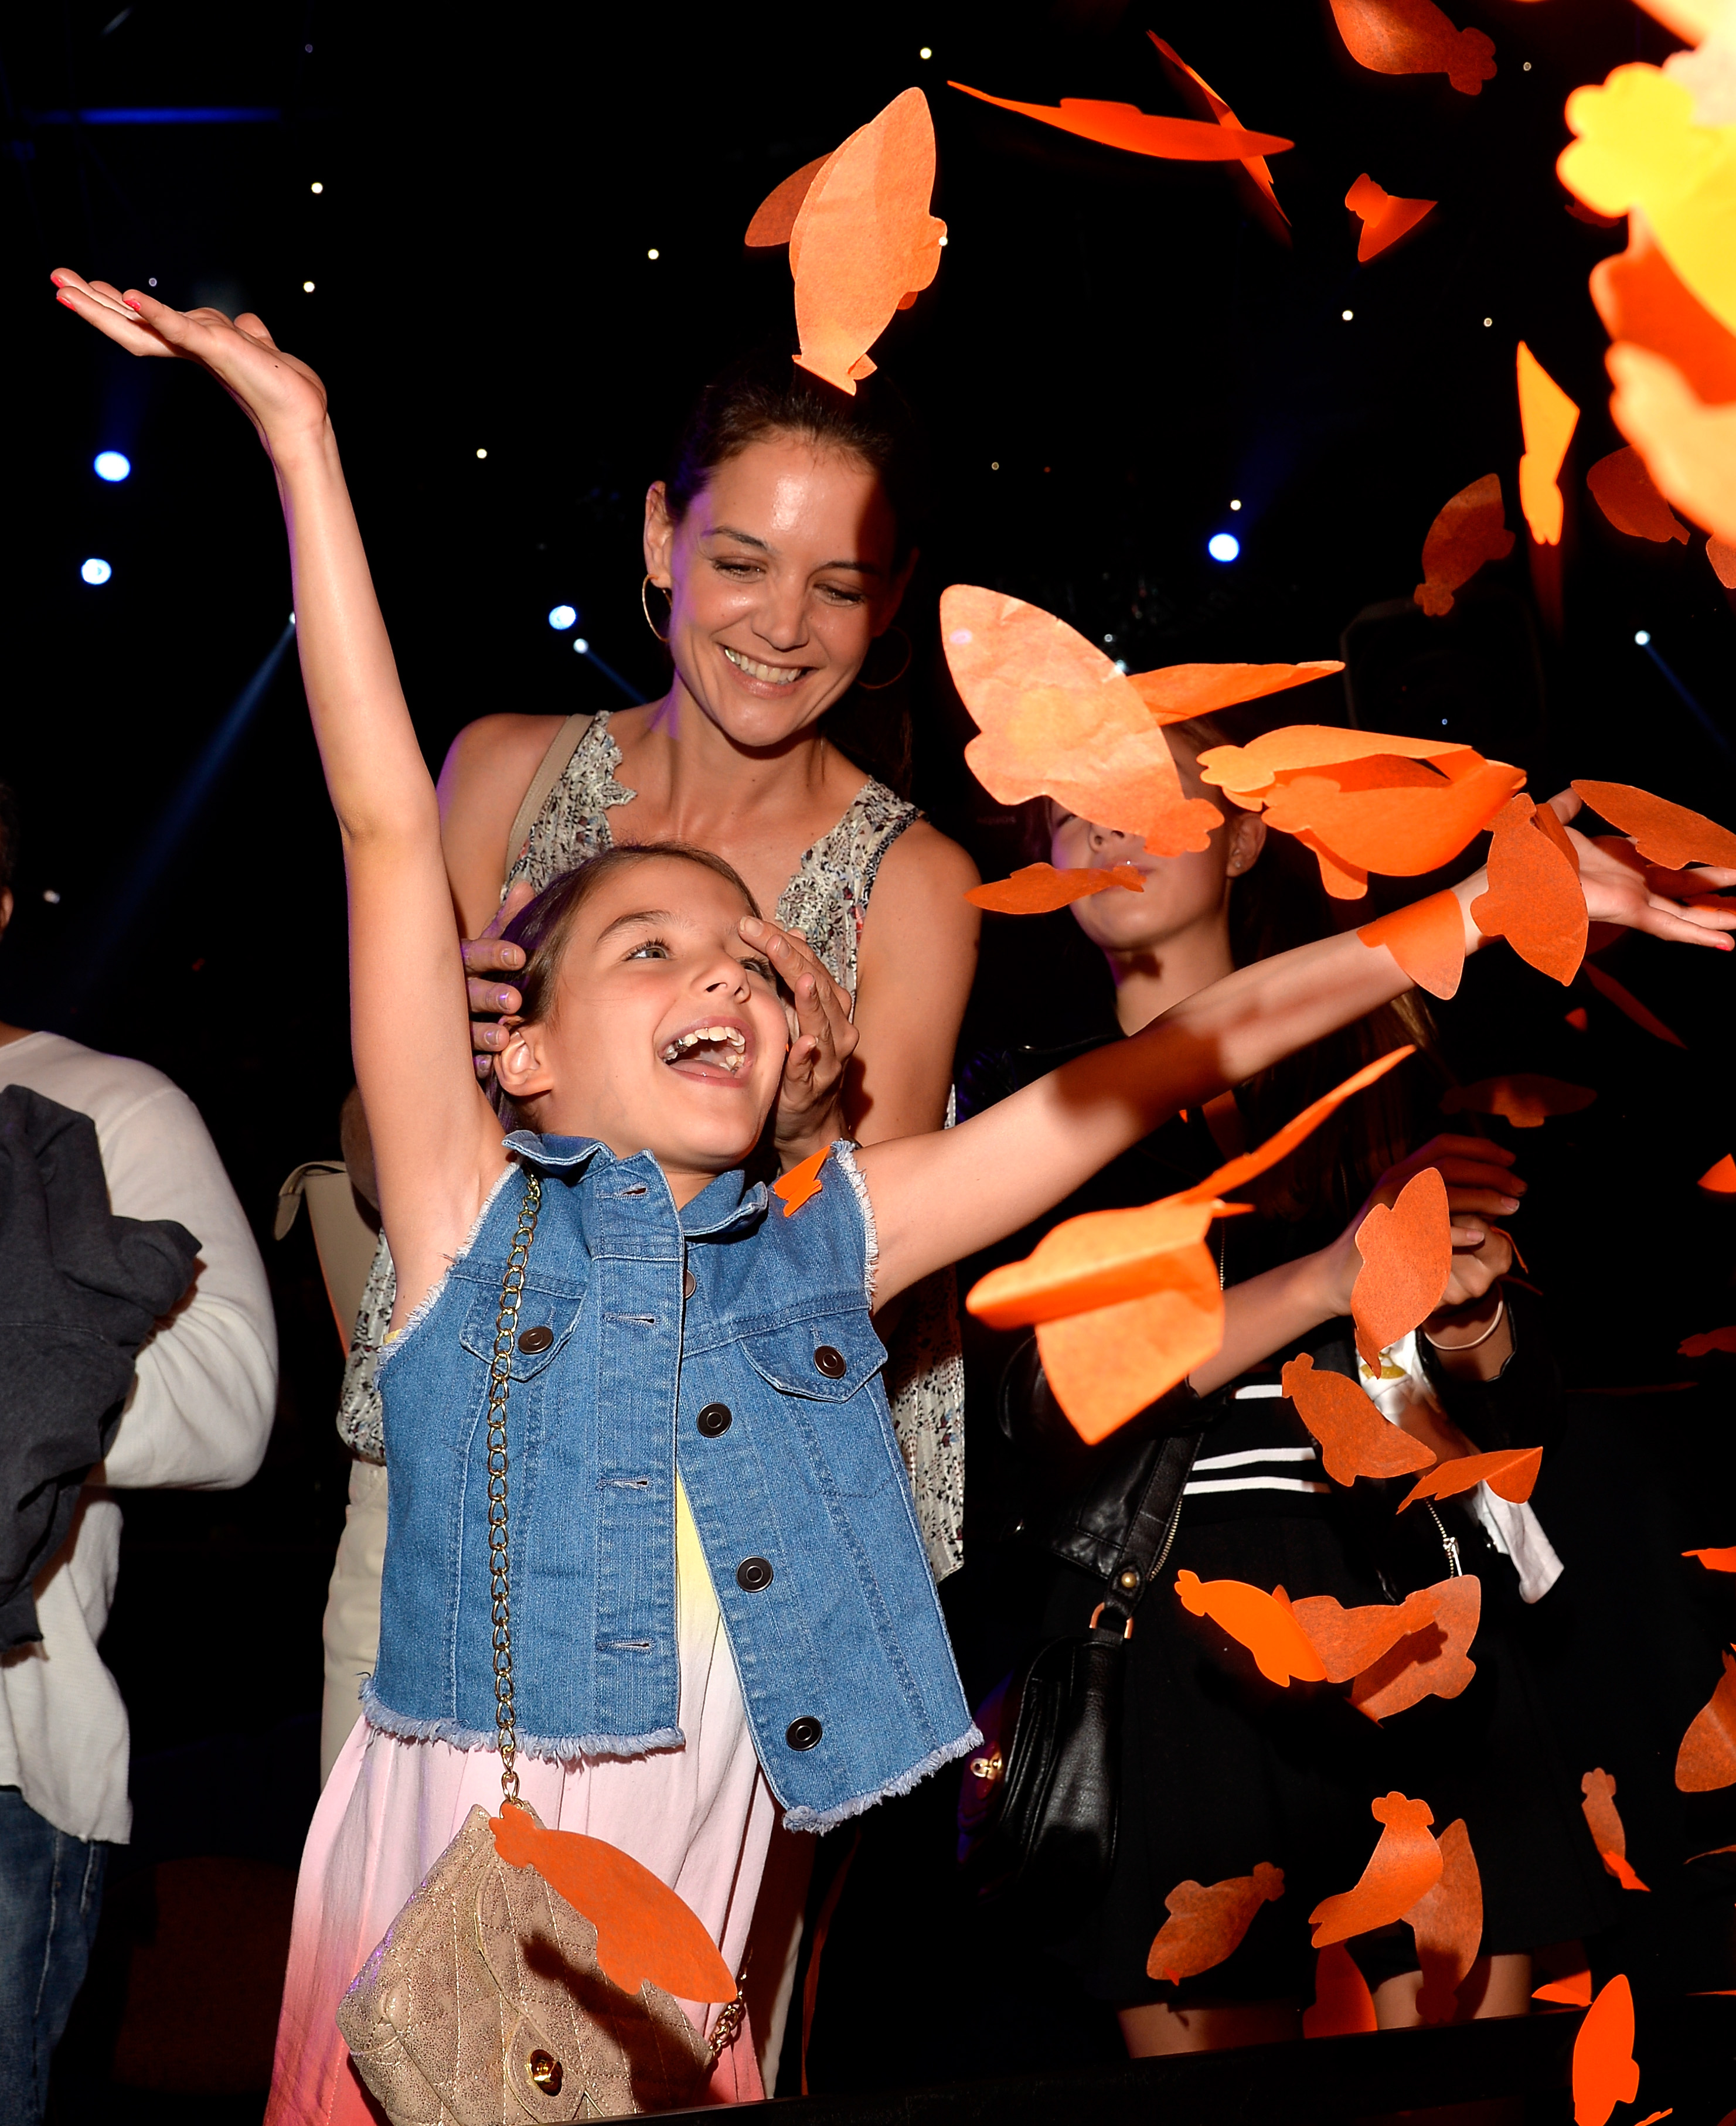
(1115, 347)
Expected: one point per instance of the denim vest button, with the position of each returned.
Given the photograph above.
(752, 1574)
(714, 1421)
(689, 1285)
(832, 1363)
(804, 1733)
(537, 1339)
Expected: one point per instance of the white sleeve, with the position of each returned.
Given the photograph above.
(199, 1409)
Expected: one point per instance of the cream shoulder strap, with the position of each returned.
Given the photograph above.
(550, 769)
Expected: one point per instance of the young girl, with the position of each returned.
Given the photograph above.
(719, 1601)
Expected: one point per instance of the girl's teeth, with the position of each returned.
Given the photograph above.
(776, 675)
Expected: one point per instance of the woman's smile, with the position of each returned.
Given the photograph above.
(764, 679)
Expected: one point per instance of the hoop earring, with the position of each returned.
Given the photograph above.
(880, 685)
(645, 605)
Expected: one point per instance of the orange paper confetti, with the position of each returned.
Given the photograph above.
(1572, 1992)
(1720, 1180)
(1688, 447)
(1426, 939)
(1105, 1366)
(1708, 1339)
(1384, 219)
(1207, 1922)
(1039, 888)
(1722, 556)
(1549, 417)
(1604, 2071)
(775, 217)
(1470, 529)
(1177, 693)
(801, 1182)
(1402, 824)
(1413, 36)
(1405, 1865)
(1510, 1471)
(1407, 1254)
(1261, 1622)
(1435, 1662)
(1641, 299)
(1626, 1001)
(1663, 834)
(1525, 1098)
(1603, 1819)
(1355, 1440)
(1535, 899)
(1716, 1561)
(1448, 1924)
(1256, 165)
(1350, 1641)
(1623, 490)
(1343, 2006)
(1125, 126)
(1248, 774)
(644, 1930)
(1707, 1757)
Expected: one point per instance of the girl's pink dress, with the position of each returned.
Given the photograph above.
(699, 1817)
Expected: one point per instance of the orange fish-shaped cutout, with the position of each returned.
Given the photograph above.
(1622, 489)
(1629, 1005)
(1207, 1922)
(1470, 528)
(1348, 1641)
(1549, 417)
(864, 243)
(800, 1184)
(1435, 1662)
(1413, 36)
(1125, 126)
(1384, 219)
(1603, 1819)
(1038, 889)
(1256, 165)
(1641, 299)
(1426, 939)
(1355, 1440)
(1405, 1865)
(1525, 1098)
(1719, 1180)
(1604, 2072)
(1400, 818)
(1572, 1992)
(1663, 834)
(1535, 899)
(1706, 1759)
(1716, 1561)
(1448, 1924)
(1343, 2006)
(1177, 693)
(1510, 1471)
(1406, 1252)
(774, 218)
(644, 1930)
(1260, 1621)
(1249, 774)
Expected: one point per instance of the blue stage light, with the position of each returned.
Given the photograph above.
(1223, 545)
(111, 465)
(581, 645)
(94, 571)
(1642, 637)
(562, 617)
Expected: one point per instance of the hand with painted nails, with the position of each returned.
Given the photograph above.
(810, 1111)
(486, 959)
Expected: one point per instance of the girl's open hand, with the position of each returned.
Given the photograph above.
(1621, 888)
(282, 398)
(1481, 1188)
(810, 1111)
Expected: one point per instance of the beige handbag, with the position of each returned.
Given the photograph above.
(486, 2005)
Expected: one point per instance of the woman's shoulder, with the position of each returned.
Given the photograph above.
(922, 860)
(499, 752)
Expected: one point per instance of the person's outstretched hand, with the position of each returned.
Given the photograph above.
(1480, 1187)
(810, 1110)
(1621, 888)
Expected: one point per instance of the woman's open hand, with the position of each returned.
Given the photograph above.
(282, 397)
(1480, 1187)
(810, 1111)
(1621, 888)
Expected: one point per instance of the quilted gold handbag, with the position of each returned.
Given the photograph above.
(486, 2005)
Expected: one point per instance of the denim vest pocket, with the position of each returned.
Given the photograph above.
(546, 1320)
(824, 1358)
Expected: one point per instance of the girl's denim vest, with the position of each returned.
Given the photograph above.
(732, 1340)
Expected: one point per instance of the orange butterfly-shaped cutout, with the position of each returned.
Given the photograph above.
(1663, 834)
(1605, 2071)
(1355, 1439)
(1056, 719)
(1256, 165)
(1719, 1180)
(1641, 299)
(1535, 899)
(1628, 1004)
(1398, 816)
(1384, 219)
(1426, 939)
(1125, 126)
(1697, 1347)
(1447, 1922)
(1510, 1471)
(800, 1184)
(1413, 36)
(1470, 528)
(1039, 888)
(1264, 1624)
(1706, 1760)
(644, 1930)
(1177, 693)
(1622, 489)
(1407, 1254)
(1525, 1098)
(1603, 1819)
(1717, 1560)
(1343, 2006)
(1405, 1865)
(1207, 1922)
(862, 243)
(1549, 417)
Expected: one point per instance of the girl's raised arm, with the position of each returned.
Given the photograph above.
(437, 1142)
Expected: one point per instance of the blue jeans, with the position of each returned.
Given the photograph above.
(50, 1895)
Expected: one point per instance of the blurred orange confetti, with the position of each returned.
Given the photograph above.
(1448, 1924)
(1207, 1922)
(1603, 1819)
(1384, 219)
(1525, 1098)
(1622, 489)
(1125, 126)
(1469, 529)
(800, 1185)
(1407, 1250)
(1707, 1757)
(1368, 816)
(1355, 1440)
(864, 243)
(1261, 1622)
(1413, 36)
(1663, 834)
(1640, 299)
(1039, 888)
(1535, 899)
(1572, 1992)
(1579, 1019)
(1628, 1004)
(1720, 1180)
(1708, 1339)
(1426, 939)
(1343, 2006)
(1716, 1561)
(774, 218)
(1688, 447)
(1605, 2073)
(1549, 417)
(1350, 1641)
(1510, 1471)
(1176, 693)
(1405, 1865)
(1721, 553)
(1433, 1662)
(1256, 165)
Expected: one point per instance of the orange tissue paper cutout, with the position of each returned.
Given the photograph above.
(1721, 553)
(1697, 1347)
(1609, 1833)
(1355, 1439)
(1125, 126)
(1572, 1992)
(1622, 489)
(1641, 299)
(1604, 2072)
(1448, 1924)
(1384, 219)
(1248, 774)
(1426, 939)
(1433, 1662)
(1104, 1367)
(1663, 834)
(1688, 447)
(1413, 36)
(800, 1185)
(1407, 1251)
(1350, 1641)
(1470, 528)
(1261, 1622)
(1343, 2006)
(1717, 1560)
(1525, 1098)
(1549, 417)
(774, 218)
(1039, 888)
(1256, 165)
(1405, 1865)
(1707, 1757)
(1402, 824)
(864, 243)
(1720, 1180)
(1629, 1005)
(1510, 1471)
(1176, 693)
(1535, 899)
(1207, 1922)
(644, 1930)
